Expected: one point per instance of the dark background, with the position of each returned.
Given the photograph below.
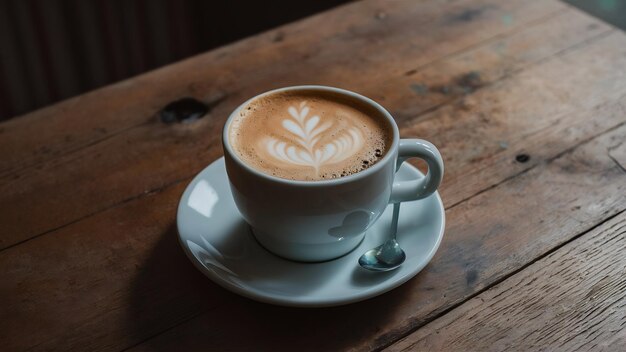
(55, 49)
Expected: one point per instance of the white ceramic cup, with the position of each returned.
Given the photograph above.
(314, 221)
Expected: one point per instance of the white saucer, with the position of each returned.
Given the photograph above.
(220, 244)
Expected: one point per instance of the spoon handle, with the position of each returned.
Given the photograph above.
(394, 220)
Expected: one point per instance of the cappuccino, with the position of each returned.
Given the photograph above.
(309, 135)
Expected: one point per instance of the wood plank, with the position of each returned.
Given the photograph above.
(572, 300)
(119, 277)
(328, 43)
(98, 177)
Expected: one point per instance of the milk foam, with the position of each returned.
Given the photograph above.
(309, 135)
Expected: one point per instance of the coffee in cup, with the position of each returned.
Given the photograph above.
(310, 135)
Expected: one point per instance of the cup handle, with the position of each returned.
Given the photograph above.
(404, 191)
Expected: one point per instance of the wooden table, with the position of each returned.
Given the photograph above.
(525, 99)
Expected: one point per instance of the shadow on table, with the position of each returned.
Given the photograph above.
(175, 307)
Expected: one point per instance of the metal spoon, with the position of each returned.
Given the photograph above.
(389, 255)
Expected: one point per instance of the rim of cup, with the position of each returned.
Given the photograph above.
(316, 183)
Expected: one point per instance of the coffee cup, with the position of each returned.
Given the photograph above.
(314, 199)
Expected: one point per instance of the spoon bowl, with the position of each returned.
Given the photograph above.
(386, 257)
(389, 255)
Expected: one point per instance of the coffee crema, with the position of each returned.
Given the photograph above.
(309, 135)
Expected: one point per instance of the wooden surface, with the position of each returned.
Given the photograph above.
(525, 99)
(572, 299)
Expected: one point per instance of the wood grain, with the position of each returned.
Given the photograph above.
(118, 278)
(91, 179)
(572, 300)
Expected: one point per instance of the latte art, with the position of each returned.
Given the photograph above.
(309, 135)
